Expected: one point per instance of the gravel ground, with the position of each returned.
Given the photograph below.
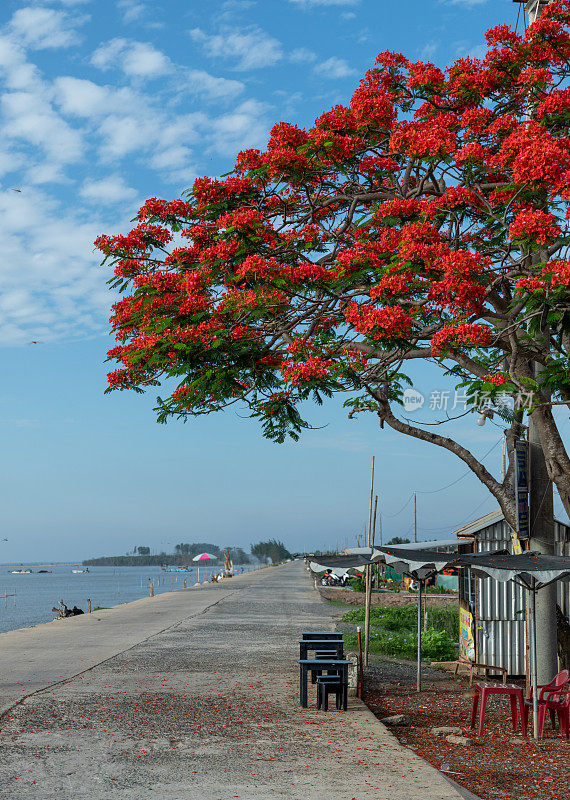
(498, 766)
(208, 709)
(386, 672)
(385, 598)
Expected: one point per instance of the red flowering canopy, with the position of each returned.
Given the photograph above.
(425, 220)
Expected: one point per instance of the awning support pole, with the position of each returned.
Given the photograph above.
(419, 668)
(368, 600)
(533, 659)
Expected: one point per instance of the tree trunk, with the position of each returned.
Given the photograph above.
(563, 638)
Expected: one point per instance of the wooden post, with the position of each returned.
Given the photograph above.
(371, 497)
(185, 579)
(151, 589)
(88, 605)
(361, 669)
(419, 656)
(369, 575)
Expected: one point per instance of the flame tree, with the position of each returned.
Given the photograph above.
(424, 221)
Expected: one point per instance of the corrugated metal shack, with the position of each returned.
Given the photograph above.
(492, 618)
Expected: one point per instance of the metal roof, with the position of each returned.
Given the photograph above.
(478, 524)
(472, 528)
(426, 545)
(342, 562)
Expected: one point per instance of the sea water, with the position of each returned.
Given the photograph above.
(36, 594)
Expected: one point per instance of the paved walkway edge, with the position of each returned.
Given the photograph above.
(5, 708)
(382, 732)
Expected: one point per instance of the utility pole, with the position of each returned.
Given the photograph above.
(541, 501)
(415, 520)
(371, 498)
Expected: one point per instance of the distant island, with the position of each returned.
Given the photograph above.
(183, 555)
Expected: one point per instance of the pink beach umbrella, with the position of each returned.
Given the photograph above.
(204, 557)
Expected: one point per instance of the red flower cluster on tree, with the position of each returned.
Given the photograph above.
(498, 379)
(300, 372)
(532, 223)
(426, 219)
(457, 337)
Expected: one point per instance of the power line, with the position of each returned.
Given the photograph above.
(469, 471)
(441, 489)
(391, 516)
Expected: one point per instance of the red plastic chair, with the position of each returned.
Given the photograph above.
(549, 699)
(560, 704)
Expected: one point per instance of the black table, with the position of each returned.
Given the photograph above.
(333, 645)
(305, 664)
(321, 635)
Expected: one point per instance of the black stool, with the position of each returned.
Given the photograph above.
(331, 684)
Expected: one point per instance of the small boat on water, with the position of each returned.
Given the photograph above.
(20, 571)
(46, 571)
(176, 569)
(80, 571)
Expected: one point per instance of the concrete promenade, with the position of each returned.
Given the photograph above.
(191, 695)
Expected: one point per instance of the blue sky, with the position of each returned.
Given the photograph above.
(104, 104)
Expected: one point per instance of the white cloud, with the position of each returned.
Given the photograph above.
(107, 191)
(348, 15)
(30, 118)
(132, 10)
(301, 55)
(229, 6)
(83, 98)
(251, 46)
(462, 49)
(246, 126)
(197, 81)
(10, 161)
(43, 28)
(45, 172)
(18, 72)
(63, 2)
(334, 68)
(123, 136)
(429, 50)
(311, 3)
(173, 157)
(50, 282)
(136, 59)
(145, 61)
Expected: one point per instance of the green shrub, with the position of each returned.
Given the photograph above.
(436, 645)
(393, 631)
(358, 584)
(398, 618)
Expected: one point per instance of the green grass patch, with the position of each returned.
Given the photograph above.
(393, 631)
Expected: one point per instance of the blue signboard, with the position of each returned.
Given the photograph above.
(522, 488)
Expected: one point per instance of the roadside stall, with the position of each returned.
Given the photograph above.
(532, 572)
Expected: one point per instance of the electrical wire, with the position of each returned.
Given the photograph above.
(465, 474)
(391, 516)
(441, 489)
